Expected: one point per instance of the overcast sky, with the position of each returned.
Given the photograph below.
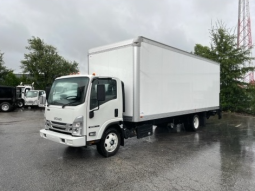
(75, 26)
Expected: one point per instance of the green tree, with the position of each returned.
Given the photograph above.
(11, 80)
(44, 64)
(234, 91)
(26, 79)
(6, 75)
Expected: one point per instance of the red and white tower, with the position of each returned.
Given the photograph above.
(244, 38)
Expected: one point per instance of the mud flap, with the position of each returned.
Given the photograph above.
(144, 130)
(202, 118)
(219, 113)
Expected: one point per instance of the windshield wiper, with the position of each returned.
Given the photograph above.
(63, 106)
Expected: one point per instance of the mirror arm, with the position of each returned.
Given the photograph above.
(91, 113)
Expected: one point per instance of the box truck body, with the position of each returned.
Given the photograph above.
(160, 81)
(136, 84)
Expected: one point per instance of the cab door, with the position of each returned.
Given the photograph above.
(39, 99)
(103, 113)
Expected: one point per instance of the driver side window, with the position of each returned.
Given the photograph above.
(110, 91)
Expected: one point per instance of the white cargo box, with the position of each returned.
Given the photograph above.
(160, 81)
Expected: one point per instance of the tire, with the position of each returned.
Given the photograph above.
(5, 106)
(20, 103)
(110, 143)
(195, 123)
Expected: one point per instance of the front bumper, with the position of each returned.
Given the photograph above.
(63, 138)
(30, 104)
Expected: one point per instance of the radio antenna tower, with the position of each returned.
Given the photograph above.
(244, 38)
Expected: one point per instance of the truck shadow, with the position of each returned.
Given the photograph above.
(80, 153)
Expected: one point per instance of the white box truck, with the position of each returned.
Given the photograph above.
(136, 84)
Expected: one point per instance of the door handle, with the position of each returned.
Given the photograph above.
(116, 113)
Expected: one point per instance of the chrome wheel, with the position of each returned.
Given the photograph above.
(111, 142)
(5, 106)
(195, 122)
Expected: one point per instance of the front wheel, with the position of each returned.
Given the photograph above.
(110, 143)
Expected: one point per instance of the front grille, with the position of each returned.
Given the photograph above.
(57, 123)
(63, 127)
(61, 132)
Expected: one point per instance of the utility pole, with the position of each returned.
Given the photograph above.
(244, 37)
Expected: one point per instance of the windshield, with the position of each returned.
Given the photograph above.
(68, 91)
(32, 94)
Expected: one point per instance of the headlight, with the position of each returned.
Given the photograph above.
(77, 126)
(47, 124)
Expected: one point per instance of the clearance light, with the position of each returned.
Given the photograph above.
(94, 74)
(92, 133)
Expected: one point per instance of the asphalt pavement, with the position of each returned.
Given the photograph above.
(220, 156)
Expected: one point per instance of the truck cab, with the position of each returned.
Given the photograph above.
(22, 89)
(32, 97)
(85, 110)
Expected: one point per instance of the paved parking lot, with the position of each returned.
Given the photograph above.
(220, 156)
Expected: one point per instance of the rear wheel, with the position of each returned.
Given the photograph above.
(110, 143)
(20, 103)
(195, 123)
(5, 106)
(192, 122)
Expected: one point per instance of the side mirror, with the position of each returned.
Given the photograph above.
(91, 114)
(47, 92)
(100, 92)
(100, 97)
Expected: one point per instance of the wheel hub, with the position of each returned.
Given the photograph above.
(111, 142)
(196, 122)
(5, 107)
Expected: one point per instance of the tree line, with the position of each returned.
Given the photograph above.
(44, 64)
